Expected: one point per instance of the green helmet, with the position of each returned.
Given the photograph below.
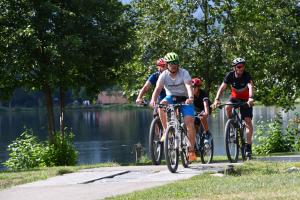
(171, 57)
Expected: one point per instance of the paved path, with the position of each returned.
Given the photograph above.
(99, 183)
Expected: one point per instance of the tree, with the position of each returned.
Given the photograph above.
(48, 44)
(207, 35)
(190, 28)
(267, 34)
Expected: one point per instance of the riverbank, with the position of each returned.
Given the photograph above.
(74, 107)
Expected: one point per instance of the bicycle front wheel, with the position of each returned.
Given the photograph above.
(206, 151)
(155, 145)
(184, 148)
(231, 141)
(243, 143)
(171, 152)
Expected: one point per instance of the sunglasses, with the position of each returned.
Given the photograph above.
(173, 62)
(240, 66)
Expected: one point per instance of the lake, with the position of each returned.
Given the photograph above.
(110, 134)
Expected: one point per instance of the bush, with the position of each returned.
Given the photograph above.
(62, 152)
(25, 152)
(270, 137)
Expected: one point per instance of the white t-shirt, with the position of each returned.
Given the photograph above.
(175, 87)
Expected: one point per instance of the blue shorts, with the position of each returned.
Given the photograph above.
(186, 110)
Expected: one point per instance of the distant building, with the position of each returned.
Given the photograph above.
(113, 97)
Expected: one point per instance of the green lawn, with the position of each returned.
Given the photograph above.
(253, 180)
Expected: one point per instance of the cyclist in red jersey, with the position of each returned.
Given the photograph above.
(242, 89)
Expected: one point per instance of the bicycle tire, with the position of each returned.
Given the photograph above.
(206, 152)
(184, 148)
(155, 145)
(171, 152)
(243, 143)
(231, 141)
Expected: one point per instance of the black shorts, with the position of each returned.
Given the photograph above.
(245, 110)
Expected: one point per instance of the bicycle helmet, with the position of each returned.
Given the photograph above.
(238, 61)
(196, 82)
(171, 57)
(161, 62)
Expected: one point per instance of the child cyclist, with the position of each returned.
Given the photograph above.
(202, 107)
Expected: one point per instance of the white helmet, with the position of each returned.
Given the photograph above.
(238, 61)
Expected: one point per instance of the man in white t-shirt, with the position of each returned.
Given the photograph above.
(178, 85)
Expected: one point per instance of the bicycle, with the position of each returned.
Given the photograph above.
(234, 134)
(155, 144)
(176, 141)
(206, 151)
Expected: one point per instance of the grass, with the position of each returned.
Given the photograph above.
(11, 178)
(253, 180)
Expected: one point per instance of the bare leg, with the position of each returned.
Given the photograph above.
(249, 129)
(189, 121)
(228, 111)
(163, 116)
(204, 123)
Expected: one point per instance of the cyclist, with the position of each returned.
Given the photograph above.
(151, 81)
(201, 103)
(242, 89)
(178, 85)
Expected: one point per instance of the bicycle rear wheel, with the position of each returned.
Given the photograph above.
(231, 141)
(206, 151)
(184, 148)
(171, 152)
(155, 145)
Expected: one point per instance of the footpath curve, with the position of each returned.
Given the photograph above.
(99, 183)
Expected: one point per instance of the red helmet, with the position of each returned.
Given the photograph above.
(161, 62)
(196, 82)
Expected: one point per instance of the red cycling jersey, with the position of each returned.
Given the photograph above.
(239, 86)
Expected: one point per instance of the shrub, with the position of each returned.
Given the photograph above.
(62, 152)
(270, 137)
(25, 152)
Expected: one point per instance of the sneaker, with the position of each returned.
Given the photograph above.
(192, 156)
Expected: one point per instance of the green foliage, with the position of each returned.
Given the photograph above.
(208, 34)
(62, 152)
(25, 152)
(293, 132)
(272, 138)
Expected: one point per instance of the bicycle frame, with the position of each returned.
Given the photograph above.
(174, 119)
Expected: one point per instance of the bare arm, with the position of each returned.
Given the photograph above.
(220, 91)
(142, 92)
(155, 94)
(251, 93)
(206, 107)
(190, 91)
(251, 89)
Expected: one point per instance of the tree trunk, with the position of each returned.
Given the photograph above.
(50, 113)
(62, 110)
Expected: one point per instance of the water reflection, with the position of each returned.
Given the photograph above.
(109, 135)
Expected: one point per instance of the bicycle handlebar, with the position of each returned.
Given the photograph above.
(174, 105)
(235, 105)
